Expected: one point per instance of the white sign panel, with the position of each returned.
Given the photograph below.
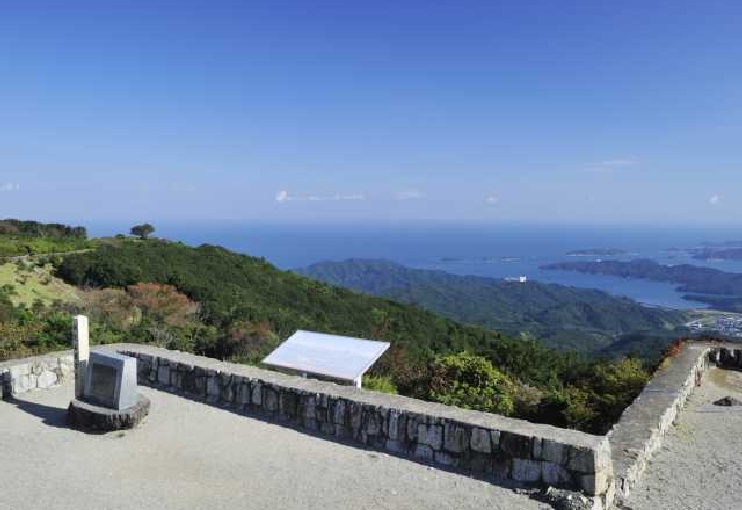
(339, 357)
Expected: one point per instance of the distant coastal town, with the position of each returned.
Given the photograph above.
(726, 324)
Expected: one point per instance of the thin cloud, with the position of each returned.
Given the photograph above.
(611, 165)
(285, 196)
(714, 200)
(10, 186)
(492, 200)
(409, 195)
(619, 162)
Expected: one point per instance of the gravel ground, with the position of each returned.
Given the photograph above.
(188, 455)
(699, 466)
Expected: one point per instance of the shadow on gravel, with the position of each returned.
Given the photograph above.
(524, 489)
(52, 416)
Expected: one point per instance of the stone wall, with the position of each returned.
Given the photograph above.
(729, 357)
(639, 432)
(503, 450)
(22, 375)
(495, 447)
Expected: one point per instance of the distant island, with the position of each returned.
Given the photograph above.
(717, 253)
(702, 284)
(725, 250)
(597, 252)
(723, 244)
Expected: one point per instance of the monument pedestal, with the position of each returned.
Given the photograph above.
(86, 416)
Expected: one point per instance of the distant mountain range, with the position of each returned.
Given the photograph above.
(564, 317)
(599, 252)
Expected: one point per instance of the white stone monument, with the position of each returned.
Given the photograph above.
(81, 344)
(106, 395)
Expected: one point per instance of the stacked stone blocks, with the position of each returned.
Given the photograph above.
(20, 376)
(521, 452)
(642, 427)
(501, 455)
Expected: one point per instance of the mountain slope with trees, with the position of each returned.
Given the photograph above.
(21, 238)
(212, 301)
(563, 317)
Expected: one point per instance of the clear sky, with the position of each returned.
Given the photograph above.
(590, 111)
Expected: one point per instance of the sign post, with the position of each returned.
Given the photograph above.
(81, 344)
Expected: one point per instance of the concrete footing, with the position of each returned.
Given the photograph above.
(85, 416)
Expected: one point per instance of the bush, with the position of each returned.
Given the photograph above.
(380, 383)
(469, 381)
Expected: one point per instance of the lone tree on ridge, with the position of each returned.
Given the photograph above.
(142, 231)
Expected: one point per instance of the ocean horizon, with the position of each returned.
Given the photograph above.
(496, 251)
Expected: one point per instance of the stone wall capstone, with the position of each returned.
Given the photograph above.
(498, 448)
(495, 447)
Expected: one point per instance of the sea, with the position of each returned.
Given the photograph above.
(492, 250)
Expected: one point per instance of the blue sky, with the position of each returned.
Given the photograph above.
(559, 112)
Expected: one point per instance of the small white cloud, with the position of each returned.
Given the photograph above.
(10, 186)
(611, 165)
(714, 200)
(285, 196)
(493, 200)
(409, 195)
(619, 162)
(352, 196)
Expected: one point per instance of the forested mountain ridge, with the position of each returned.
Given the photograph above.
(230, 288)
(562, 316)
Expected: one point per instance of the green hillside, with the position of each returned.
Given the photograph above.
(27, 283)
(212, 301)
(563, 317)
(232, 287)
(22, 238)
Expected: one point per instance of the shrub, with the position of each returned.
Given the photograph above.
(469, 381)
(380, 383)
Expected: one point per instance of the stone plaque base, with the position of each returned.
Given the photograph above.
(82, 415)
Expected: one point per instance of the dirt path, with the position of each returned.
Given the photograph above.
(700, 464)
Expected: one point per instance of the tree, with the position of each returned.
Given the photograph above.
(162, 303)
(142, 231)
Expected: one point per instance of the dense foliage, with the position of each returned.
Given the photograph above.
(471, 382)
(236, 289)
(19, 238)
(26, 331)
(215, 302)
(567, 318)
